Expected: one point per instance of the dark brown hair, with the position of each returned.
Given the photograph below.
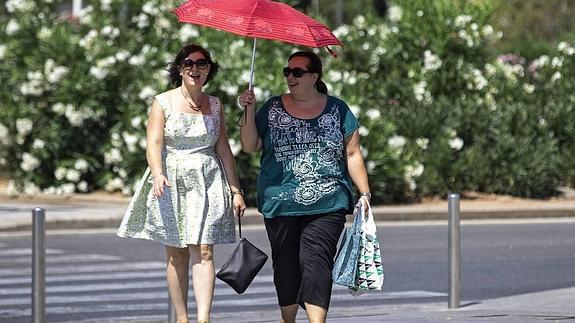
(313, 66)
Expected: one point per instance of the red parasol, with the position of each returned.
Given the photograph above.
(258, 19)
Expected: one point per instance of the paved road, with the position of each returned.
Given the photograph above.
(98, 277)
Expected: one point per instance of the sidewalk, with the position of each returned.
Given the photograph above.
(102, 210)
(547, 306)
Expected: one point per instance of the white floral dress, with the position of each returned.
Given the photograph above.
(197, 208)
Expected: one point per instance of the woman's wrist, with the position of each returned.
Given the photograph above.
(238, 192)
(365, 194)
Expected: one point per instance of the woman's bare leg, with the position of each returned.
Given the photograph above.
(288, 313)
(178, 275)
(315, 314)
(203, 278)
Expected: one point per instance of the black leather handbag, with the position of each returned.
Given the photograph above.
(244, 264)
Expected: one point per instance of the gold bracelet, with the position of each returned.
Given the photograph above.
(240, 192)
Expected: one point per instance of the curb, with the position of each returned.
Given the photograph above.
(253, 217)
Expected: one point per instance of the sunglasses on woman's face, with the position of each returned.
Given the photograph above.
(296, 72)
(201, 63)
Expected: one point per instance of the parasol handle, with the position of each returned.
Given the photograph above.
(251, 85)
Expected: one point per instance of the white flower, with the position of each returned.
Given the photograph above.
(116, 140)
(111, 32)
(456, 143)
(370, 165)
(562, 46)
(141, 20)
(373, 114)
(359, 21)
(364, 152)
(59, 108)
(341, 31)
(487, 31)
(67, 189)
(431, 62)
(529, 88)
(187, 31)
(85, 15)
(98, 72)
(122, 55)
(38, 144)
(114, 184)
(19, 5)
(412, 171)
(24, 126)
(143, 143)
(73, 175)
(541, 61)
(235, 146)
(81, 165)
(422, 143)
(12, 27)
(557, 62)
(4, 135)
(105, 5)
(29, 162)
(75, 118)
(363, 131)
(57, 74)
(131, 140)
(137, 60)
(150, 8)
(113, 156)
(31, 189)
(2, 51)
(49, 190)
(394, 13)
(412, 184)
(146, 93)
(44, 33)
(136, 122)
(82, 186)
(397, 141)
(419, 13)
(542, 121)
(122, 172)
(419, 90)
(462, 21)
(354, 109)
(556, 76)
(60, 173)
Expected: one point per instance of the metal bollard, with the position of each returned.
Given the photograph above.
(171, 311)
(38, 266)
(454, 250)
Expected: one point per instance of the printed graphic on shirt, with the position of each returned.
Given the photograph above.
(310, 152)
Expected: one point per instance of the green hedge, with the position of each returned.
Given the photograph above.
(438, 113)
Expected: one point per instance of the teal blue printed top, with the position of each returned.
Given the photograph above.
(303, 168)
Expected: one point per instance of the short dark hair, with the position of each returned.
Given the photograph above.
(174, 67)
(314, 65)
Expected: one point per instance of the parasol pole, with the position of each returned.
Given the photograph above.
(251, 85)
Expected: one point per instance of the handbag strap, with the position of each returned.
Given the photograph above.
(240, 225)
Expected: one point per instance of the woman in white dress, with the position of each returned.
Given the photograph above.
(190, 191)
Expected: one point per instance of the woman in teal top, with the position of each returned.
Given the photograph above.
(310, 156)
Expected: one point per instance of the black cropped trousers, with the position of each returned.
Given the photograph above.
(303, 250)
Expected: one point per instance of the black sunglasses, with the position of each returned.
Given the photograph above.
(297, 72)
(201, 63)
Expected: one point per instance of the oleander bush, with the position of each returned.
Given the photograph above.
(438, 112)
